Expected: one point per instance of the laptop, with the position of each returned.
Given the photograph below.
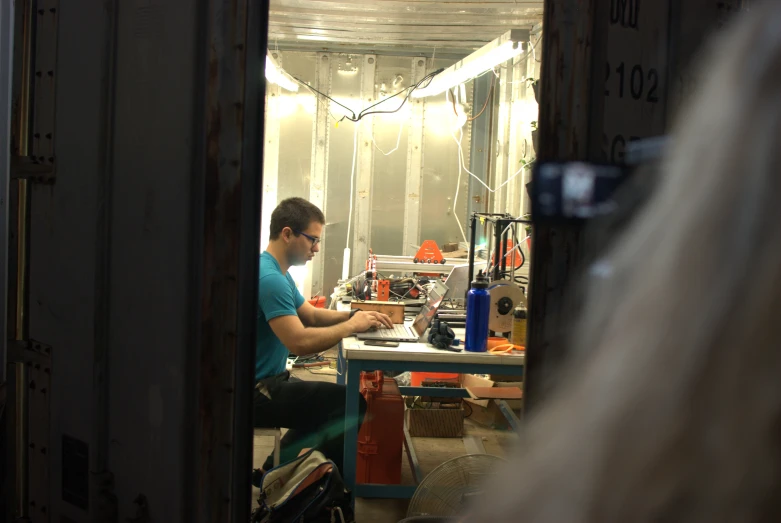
(417, 329)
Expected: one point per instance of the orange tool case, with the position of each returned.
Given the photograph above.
(381, 438)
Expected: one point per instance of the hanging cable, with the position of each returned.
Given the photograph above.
(462, 162)
(460, 169)
(366, 112)
(398, 141)
(487, 99)
(534, 52)
(508, 180)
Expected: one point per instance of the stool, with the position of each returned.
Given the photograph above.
(277, 434)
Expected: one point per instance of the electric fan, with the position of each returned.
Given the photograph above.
(453, 485)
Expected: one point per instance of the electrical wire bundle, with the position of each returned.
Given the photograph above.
(367, 112)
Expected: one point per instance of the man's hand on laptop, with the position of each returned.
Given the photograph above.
(363, 321)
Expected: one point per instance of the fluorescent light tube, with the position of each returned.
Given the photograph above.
(504, 48)
(276, 75)
(315, 38)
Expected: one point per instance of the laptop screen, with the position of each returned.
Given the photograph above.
(427, 312)
(457, 284)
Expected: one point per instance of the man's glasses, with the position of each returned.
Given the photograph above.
(314, 240)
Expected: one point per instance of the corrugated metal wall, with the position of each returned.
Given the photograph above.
(407, 169)
(406, 163)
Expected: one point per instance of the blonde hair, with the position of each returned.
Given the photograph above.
(671, 408)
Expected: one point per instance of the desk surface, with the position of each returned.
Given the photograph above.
(355, 349)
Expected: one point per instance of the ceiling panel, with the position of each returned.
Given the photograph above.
(443, 27)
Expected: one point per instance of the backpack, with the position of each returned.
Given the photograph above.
(308, 489)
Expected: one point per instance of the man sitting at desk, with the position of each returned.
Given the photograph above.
(312, 411)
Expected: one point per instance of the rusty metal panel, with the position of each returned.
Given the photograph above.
(635, 104)
(247, 303)
(228, 293)
(571, 42)
(606, 78)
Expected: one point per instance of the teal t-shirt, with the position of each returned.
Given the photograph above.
(277, 296)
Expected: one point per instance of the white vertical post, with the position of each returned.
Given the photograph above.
(270, 157)
(362, 215)
(502, 137)
(515, 150)
(319, 174)
(414, 166)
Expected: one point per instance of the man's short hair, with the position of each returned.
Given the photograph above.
(295, 213)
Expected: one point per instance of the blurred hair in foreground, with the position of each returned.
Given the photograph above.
(670, 409)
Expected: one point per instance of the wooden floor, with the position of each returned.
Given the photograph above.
(431, 453)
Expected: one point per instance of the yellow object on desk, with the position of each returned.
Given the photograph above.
(508, 349)
(519, 327)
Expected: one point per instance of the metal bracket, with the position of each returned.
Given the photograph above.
(31, 352)
(27, 168)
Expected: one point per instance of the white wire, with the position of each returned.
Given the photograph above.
(458, 182)
(508, 180)
(352, 182)
(462, 162)
(398, 141)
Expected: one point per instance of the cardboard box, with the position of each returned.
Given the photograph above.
(392, 309)
(505, 378)
(516, 405)
(436, 423)
(487, 412)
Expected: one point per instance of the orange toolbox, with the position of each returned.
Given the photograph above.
(381, 438)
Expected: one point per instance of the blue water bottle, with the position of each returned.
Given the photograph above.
(478, 308)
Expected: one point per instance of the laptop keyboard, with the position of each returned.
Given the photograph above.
(398, 331)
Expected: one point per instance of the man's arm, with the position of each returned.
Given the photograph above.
(311, 316)
(303, 341)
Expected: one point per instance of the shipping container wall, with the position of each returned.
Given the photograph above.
(401, 167)
(513, 128)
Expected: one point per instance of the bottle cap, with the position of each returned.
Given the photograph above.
(520, 313)
(480, 282)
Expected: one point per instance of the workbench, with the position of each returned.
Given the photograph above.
(355, 357)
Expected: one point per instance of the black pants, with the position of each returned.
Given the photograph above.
(313, 413)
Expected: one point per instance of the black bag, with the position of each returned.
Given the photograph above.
(308, 489)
